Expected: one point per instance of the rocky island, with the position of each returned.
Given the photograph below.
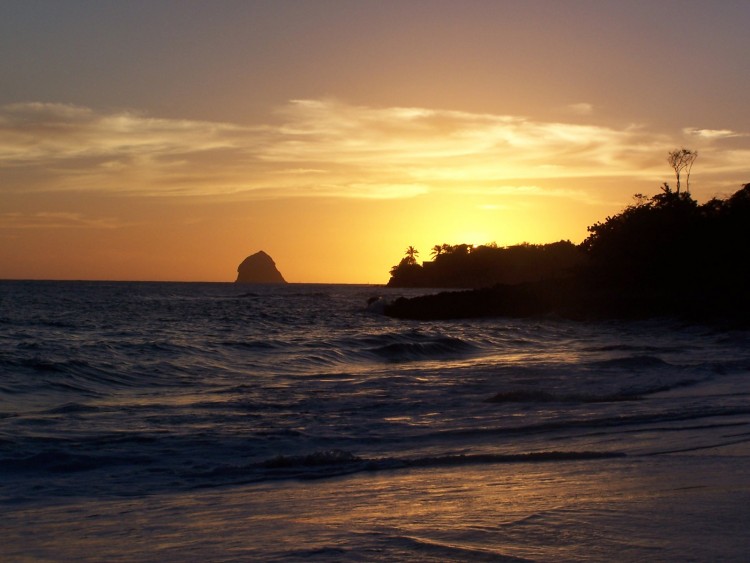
(259, 268)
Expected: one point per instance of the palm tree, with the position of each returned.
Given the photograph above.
(411, 252)
(437, 250)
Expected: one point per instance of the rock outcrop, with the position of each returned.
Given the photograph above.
(259, 268)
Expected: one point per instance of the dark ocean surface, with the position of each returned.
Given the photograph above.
(185, 421)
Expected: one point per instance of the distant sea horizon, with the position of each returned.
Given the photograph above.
(187, 281)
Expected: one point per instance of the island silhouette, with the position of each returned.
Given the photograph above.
(259, 268)
(664, 255)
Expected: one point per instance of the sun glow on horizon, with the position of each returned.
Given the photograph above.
(439, 177)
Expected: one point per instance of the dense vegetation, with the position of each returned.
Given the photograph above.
(669, 241)
(663, 255)
(470, 267)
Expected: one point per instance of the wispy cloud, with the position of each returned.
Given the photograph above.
(54, 220)
(527, 191)
(711, 134)
(38, 133)
(321, 148)
(582, 108)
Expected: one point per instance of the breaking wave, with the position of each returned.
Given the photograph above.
(333, 463)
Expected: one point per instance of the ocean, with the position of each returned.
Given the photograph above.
(223, 422)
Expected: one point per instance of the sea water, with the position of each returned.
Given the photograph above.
(223, 422)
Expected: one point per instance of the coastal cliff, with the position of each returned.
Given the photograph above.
(259, 268)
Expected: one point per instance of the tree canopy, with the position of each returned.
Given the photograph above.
(463, 265)
(662, 255)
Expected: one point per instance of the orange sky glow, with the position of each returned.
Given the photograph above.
(169, 140)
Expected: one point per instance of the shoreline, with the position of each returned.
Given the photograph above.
(667, 508)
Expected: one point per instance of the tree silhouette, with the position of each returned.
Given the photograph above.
(437, 250)
(411, 252)
(679, 160)
(465, 266)
(664, 255)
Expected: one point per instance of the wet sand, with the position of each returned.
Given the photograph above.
(675, 507)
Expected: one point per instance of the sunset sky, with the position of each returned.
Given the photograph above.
(168, 140)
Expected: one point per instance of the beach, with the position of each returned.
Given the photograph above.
(623, 510)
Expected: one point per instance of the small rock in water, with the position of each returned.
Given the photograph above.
(259, 268)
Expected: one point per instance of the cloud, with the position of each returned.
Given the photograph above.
(711, 134)
(43, 132)
(320, 148)
(54, 220)
(528, 191)
(582, 108)
(440, 148)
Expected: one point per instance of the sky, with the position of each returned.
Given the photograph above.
(168, 140)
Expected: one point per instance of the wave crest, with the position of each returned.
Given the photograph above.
(437, 347)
